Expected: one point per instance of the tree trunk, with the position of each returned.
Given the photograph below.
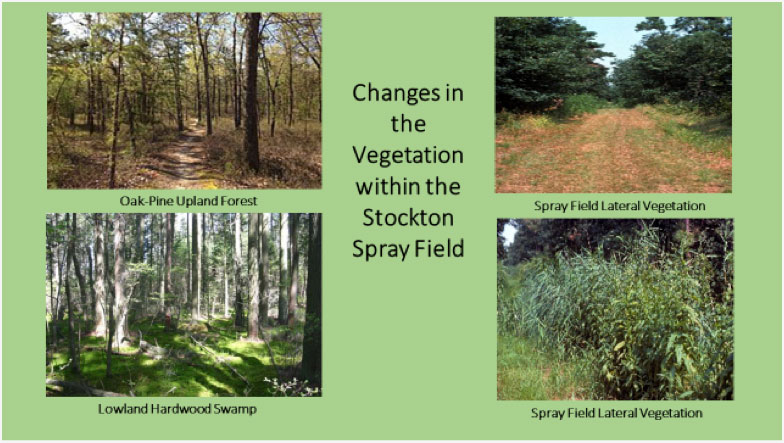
(116, 128)
(311, 343)
(266, 221)
(253, 269)
(100, 285)
(194, 265)
(251, 113)
(120, 300)
(79, 276)
(205, 60)
(290, 51)
(293, 218)
(237, 272)
(169, 247)
(283, 284)
(73, 350)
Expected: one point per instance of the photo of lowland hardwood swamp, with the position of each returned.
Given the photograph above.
(183, 305)
(613, 104)
(196, 100)
(615, 309)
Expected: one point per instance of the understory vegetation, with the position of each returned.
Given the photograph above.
(616, 309)
(185, 368)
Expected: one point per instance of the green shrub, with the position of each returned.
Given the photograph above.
(576, 105)
(649, 319)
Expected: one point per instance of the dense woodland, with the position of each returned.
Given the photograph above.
(659, 120)
(616, 309)
(184, 100)
(183, 304)
(543, 61)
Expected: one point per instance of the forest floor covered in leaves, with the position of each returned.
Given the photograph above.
(645, 149)
(197, 360)
(166, 159)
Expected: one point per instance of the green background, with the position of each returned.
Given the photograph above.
(409, 348)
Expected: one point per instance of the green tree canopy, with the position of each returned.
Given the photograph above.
(542, 59)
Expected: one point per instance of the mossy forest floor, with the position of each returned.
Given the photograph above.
(188, 370)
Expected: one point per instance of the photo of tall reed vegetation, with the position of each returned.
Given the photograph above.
(615, 309)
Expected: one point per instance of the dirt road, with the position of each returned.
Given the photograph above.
(183, 165)
(613, 151)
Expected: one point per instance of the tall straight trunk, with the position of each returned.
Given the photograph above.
(163, 225)
(91, 276)
(253, 271)
(83, 304)
(204, 265)
(54, 300)
(283, 307)
(235, 75)
(202, 281)
(237, 272)
(194, 266)
(205, 60)
(271, 90)
(90, 77)
(290, 51)
(251, 113)
(168, 268)
(197, 63)
(225, 288)
(120, 300)
(73, 351)
(294, 279)
(116, 129)
(101, 307)
(311, 343)
(266, 222)
(225, 276)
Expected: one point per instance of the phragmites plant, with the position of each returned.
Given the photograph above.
(646, 320)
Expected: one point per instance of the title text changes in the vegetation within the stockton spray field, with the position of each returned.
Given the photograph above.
(186, 201)
(388, 186)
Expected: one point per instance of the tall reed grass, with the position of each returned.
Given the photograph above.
(647, 319)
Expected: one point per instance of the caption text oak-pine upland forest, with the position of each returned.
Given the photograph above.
(184, 100)
(156, 305)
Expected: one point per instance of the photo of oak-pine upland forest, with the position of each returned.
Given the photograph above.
(613, 104)
(204, 100)
(183, 305)
(615, 309)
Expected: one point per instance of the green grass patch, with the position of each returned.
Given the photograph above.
(703, 132)
(526, 372)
